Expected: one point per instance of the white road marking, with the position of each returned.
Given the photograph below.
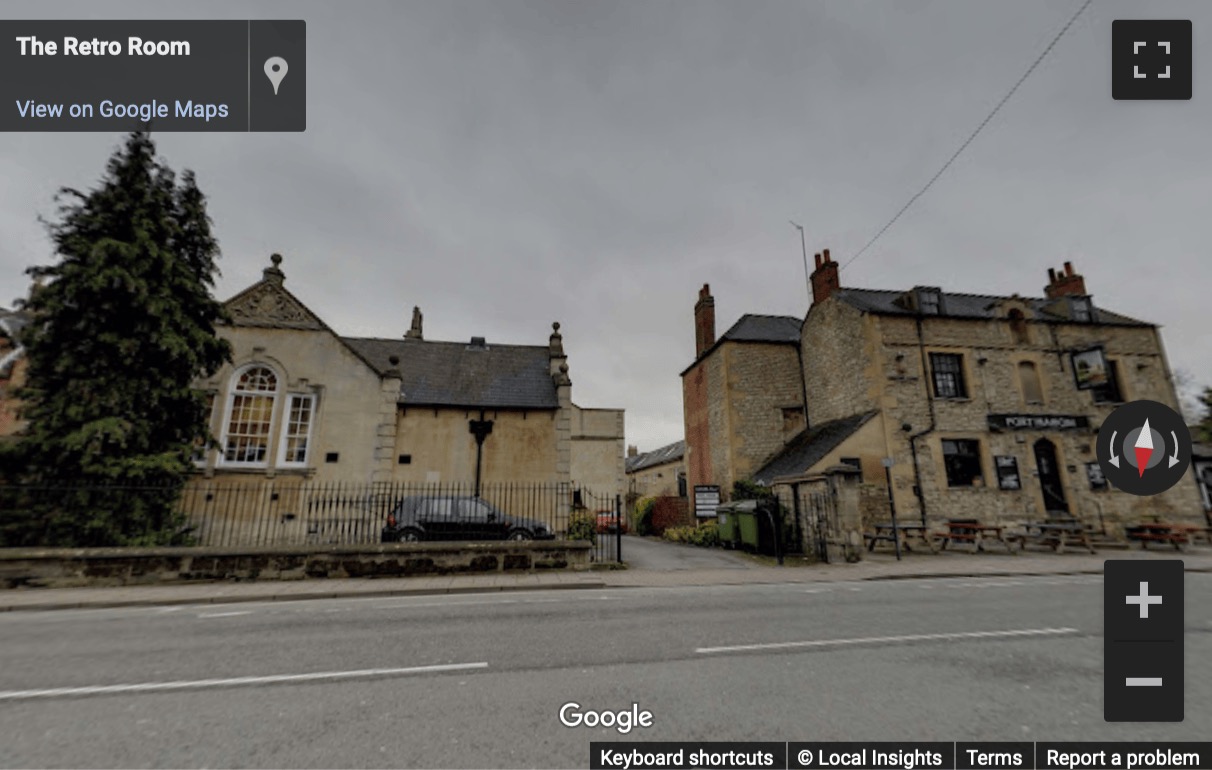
(1144, 681)
(241, 680)
(225, 614)
(887, 639)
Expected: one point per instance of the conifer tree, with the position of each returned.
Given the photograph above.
(122, 327)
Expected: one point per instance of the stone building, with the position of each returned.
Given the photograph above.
(659, 473)
(743, 397)
(300, 401)
(988, 406)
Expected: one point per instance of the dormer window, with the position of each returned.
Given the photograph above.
(929, 300)
(1081, 309)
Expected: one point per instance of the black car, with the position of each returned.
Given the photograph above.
(457, 518)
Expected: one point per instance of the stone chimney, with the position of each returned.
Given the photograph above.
(633, 450)
(824, 278)
(1065, 284)
(273, 274)
(415, 332)
(704, 321)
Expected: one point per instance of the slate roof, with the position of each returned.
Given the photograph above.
(807, 449)
(967, 306)
(764, 328)
(455, 374)
(757, 328)
(665, 454)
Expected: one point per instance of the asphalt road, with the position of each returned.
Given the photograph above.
(348, 683)
(642, 553)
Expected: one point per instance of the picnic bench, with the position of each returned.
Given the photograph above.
(975, 532)
(1056, 533)
(1176, 535)
(891, 533)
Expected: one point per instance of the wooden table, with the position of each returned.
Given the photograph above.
(1055, 534)
(973, 531)
(890, 533)
(1176, 535)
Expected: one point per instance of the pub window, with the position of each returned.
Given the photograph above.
(948, 371)
(681, 484)
(793, 419)
(1028, 380)
(1108, 392)
(962, 458)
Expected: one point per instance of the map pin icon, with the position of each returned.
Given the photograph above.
(275, 70)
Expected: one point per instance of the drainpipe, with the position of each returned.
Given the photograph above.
(799, 354)
(917, 473)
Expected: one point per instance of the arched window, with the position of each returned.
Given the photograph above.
(248, 429)
(1028, 380)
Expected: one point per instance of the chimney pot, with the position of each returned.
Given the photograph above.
(824, 278)
(632, 450)
(1051, 275)
(1068, 268)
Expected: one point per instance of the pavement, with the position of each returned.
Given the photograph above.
(876, 566)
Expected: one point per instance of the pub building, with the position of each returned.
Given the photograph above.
(980, 406)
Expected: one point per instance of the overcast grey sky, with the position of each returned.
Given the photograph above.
(507, 164)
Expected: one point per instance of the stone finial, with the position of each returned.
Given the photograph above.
(562, 378)
(414, 333)
(556, 346)
(273, 274)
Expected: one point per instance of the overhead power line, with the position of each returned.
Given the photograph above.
(974, 134)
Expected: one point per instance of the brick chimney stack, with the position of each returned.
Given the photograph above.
(824, 278)
(704, 321)
(1065, 284)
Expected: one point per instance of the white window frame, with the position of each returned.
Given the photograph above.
(284, 430)
(227, 410)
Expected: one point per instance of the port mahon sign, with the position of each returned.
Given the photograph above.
(1038, 422)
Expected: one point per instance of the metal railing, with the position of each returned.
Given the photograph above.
(297, 512)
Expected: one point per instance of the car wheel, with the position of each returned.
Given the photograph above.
(410, 536)
(519, 534)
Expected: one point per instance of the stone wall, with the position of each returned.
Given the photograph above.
(440, 448)
(305, 362)
(597, 453)
(763, 384)
(992, 352)
(122, 566)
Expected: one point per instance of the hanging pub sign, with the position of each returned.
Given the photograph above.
(1090, 368)
(706, 500)
(1038, 422)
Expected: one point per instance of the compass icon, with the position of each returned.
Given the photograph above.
(1144, 448)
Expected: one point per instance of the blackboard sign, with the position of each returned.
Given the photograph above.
(1007, 472)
